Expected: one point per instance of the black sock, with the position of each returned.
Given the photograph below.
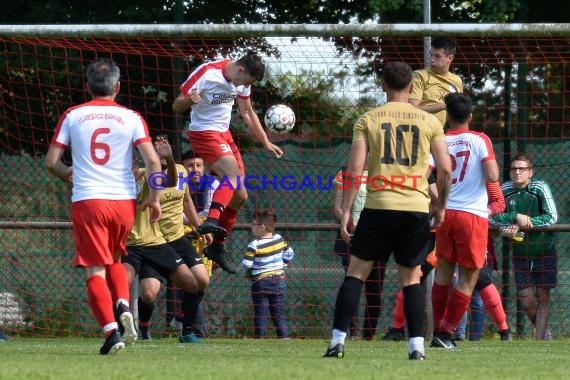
(347, 301)
(190, 304)
(414, 309)
(145, 311)
(211, 220)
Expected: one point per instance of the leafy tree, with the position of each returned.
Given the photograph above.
(276, 11)
(370, 51)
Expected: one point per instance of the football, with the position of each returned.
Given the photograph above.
(279, 119)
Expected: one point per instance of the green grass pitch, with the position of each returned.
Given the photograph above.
(26, 358)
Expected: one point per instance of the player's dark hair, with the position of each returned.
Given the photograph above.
(523, 157)
(190, 154)
(445, 43)
(459, 107)
(266, 217)
(102, 77)
(253, 65)
(397, 75)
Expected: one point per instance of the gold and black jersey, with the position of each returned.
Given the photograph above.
(398, 136)
(144, 233)
(171, 202)
(430, 88)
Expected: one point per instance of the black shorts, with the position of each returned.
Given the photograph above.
(158, 261)
(186, 250)
(541, 271)
(381, 232)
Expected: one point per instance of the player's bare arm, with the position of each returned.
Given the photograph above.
(355, 167)
(252, 121)
(190, 211)
(337, 209)
(152, 165)
(491, 171)
(432, 108)
(54, 164)
(164, 151)
(432, 192)
(337, 206)
(185, 101)
(443, 180)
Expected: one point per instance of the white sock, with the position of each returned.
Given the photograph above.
(416, 344)
(122, 301)
(337, 337)
(110, 327)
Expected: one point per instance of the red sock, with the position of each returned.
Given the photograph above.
(228, 218)
(100, 300)
(220, 200)
(439, 295)
(494, 306)
(457, 305)
(399, 320)
(118, 281)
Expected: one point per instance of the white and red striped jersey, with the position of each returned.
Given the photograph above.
(102, 135)
(468, 151)
(218, 93)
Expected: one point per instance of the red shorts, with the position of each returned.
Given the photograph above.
(462, 239)
(212, 145)
(101, 228)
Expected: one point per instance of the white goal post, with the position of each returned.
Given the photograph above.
(268, 30)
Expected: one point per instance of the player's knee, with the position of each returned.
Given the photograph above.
(483, 281)
(148, 296)
(543, 297)
(525, 296)
(185, 280)
(239, 197)
(190, 286)
(203, 281)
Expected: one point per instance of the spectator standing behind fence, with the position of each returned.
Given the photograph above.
(264, 261)
(462, 238)
(375, 281)
(397, 138)
(530, 205)
(210, 91)
(204, 186)
(102, 135)
(432, 84)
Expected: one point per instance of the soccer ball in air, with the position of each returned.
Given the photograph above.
(280, 119)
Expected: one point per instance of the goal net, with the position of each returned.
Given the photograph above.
(518, 76)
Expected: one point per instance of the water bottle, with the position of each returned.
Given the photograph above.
(519, 237)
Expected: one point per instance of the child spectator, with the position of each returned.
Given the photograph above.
(264, 262)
